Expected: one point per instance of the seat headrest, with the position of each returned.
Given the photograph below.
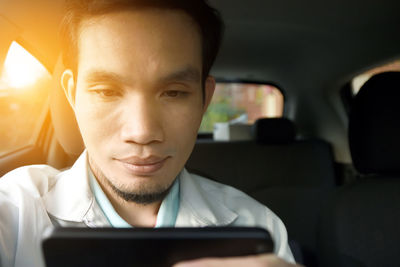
(374, 125)
(273, 131)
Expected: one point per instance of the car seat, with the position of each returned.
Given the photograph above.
(360, 226)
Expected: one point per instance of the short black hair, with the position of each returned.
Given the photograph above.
(206, 17)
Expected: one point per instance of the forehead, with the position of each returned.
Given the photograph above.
(146, 39)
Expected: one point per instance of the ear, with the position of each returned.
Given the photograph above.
(69, 86)
(208, 92)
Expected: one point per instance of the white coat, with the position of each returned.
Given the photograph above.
(33, 198)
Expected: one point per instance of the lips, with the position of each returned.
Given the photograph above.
(143, 166)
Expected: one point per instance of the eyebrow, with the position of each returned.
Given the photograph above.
(103, 76)
(187, 74)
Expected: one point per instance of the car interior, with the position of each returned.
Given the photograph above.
(329, 167)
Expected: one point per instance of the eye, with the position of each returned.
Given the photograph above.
(172, 93)
(175, 93)
(107, 92)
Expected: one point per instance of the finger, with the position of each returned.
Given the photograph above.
(214, 262)
(264, 260)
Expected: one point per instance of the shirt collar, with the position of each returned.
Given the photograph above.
(70, 198)
(169, 208)
(105, 205)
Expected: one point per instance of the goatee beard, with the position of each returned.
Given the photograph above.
(140, 198)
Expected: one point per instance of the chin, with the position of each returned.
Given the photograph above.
(142, 190)
(129, 182)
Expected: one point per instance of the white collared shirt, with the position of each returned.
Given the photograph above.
(33, 198)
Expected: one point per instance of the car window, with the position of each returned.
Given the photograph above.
(24, 85)
(242, 103)
(359, 80)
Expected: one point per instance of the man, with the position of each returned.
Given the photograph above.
(137, 79)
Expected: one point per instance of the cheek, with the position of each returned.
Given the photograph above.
(187, 115)
(183, 124)
(93, 121)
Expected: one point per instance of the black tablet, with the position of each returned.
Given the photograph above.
(149, 246)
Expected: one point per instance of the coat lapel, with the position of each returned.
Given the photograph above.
(200, 207)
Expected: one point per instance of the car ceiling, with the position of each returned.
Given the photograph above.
(300, 45)
(309, 44)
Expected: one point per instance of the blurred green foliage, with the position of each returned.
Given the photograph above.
(219, 110)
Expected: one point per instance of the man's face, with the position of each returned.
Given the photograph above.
(138, 96)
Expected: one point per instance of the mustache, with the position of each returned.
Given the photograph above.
(144, 155)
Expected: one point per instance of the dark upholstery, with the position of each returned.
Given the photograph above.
(250, 166)
(292, 178)
(360, 225)
(273, 131)
(374, 131)
(299, 207)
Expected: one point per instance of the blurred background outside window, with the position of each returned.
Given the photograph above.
(242, 103)
(24, 90)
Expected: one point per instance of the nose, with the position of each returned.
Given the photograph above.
(142, 121)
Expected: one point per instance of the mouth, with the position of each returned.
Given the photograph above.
(143, 166)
